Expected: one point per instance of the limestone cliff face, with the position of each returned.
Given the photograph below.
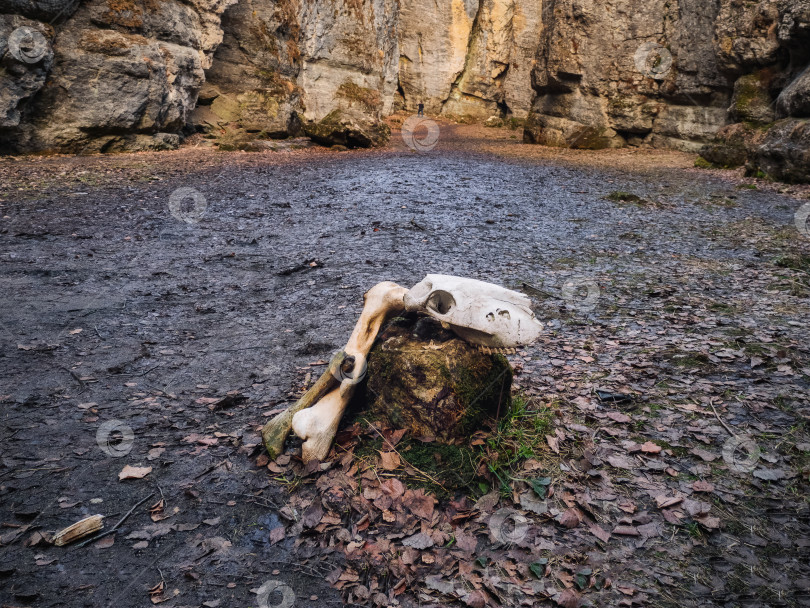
(709, 75)
(619, 71)
(128, 74)
(350, 53)
(671, 73)
(120, 74)
(468, 57)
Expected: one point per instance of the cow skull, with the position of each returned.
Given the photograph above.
(478, 312)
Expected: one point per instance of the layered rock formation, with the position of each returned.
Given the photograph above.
(728, 77)
(618, 72)
(121, 74)
(468, 57)
(674, 74)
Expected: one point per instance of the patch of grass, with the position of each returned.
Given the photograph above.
(516, 123)
(454, 467)
(620, 196)
(519, 435)
(438, 468)
(796, 261)
(689, 359)
(722, 307)
(747, 187)
(759, 174)
(693, 529)
(445, 470)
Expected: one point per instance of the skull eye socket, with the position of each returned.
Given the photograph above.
(440, 302)
(505, 314)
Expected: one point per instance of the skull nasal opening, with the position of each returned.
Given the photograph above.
(441, 302)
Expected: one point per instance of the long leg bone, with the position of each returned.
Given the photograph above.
(318, 424)
(275, 432)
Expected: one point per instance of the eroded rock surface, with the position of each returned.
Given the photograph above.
(348, 128)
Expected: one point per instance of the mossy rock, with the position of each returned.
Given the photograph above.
(752, 101)
(428, 381)
(349, 128)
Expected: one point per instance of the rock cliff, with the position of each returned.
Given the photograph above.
(677, 73)
(729, 78)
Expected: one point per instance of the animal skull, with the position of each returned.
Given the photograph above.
(478, 312)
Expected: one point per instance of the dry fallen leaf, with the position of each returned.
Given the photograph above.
(570, 518)
(130, 472)
(703, 486)
(663, 501)
(418, 541)
(568, 599)
(651, 448)
(389, 460)
(277, 535)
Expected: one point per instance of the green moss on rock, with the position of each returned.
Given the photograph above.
(444, 388)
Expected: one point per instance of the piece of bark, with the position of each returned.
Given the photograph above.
(85, 527)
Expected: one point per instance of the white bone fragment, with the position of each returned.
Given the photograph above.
(318, 424)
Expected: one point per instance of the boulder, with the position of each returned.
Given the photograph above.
(733, 145)
(752, 100)
(350, 128)
(426, 380)
(795, 98)
(785, 152)
(564, 133)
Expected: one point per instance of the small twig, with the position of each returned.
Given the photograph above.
(716, 415)
(151, 369)
(527, 287)
(211, 468)
(116, 526)
(76, 378)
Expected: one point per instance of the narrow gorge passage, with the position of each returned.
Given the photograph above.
(193, 332)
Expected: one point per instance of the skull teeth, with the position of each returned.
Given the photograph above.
(494, 350)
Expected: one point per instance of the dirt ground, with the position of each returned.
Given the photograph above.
(140, 330)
